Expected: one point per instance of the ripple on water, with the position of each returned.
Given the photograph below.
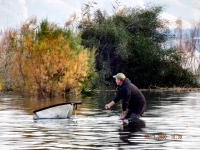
(170, 122)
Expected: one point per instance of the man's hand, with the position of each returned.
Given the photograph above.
(122, 117)
(107, 106)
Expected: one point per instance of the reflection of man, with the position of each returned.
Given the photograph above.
(132, 98)
(127, 133)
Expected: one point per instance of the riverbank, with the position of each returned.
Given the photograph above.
(172, 89)
(157, 89)
(176, 89)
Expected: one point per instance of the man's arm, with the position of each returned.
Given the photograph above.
(116, 99)
(126, 95)
(108, 106)
(122, 115)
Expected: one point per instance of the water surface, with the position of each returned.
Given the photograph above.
(171, 121)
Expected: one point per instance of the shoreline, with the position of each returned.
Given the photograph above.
(172, 90)
(176, 89)
(157, 89)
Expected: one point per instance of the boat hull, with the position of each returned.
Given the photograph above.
(59, 111)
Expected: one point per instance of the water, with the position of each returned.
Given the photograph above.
(171, 121)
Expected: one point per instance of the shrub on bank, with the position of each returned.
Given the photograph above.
(134, 41)
(47, 61)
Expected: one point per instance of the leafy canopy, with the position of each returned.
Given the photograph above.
(134, 41)
(48, 60)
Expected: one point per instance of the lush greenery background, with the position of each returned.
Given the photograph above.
(46, 60)
(136, 42)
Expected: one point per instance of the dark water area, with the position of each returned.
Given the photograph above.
(171, 121)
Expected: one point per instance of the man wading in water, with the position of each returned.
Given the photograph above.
(132, 98)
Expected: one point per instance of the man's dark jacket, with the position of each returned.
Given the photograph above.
(132, 98)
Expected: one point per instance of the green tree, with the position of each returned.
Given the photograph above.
(134, 41)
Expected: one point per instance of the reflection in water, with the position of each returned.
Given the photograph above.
(134, 126)
(128, 130)
(171, 121)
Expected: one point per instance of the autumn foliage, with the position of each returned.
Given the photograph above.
(47, 60)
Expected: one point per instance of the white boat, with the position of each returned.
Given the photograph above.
(58, 111)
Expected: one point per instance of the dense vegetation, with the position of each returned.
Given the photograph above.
(47, 60)
(136, 42)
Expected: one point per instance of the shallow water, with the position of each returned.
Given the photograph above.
(171, 121)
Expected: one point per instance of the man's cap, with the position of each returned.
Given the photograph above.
(119, 76)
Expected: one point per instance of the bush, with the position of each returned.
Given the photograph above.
(134, 41)
(48, 60)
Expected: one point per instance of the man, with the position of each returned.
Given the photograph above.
(132, 98)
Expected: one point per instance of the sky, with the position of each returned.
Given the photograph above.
(14, 12)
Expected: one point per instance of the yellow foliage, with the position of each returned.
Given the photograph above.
(1, 87)
(48, 66)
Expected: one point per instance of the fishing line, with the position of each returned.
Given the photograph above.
(103, 107)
